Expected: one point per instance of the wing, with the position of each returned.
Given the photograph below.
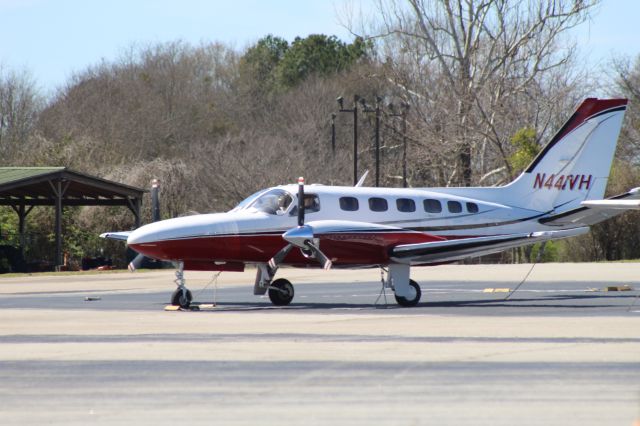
(595, 211)
(452, 250)
(121, 236)
(369, 243)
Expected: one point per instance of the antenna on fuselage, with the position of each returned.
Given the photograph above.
(362, 179)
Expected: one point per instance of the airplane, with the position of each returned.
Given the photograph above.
(559, 195)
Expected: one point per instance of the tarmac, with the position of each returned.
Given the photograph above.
(101, 349)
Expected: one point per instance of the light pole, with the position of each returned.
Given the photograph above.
(155, 200)
(354, 110)
(333, 134)
(404, 108)
(376, 109)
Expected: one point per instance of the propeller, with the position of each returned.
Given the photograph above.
(301, 237)
(320, 257)
(155, 214)
(300, 201)
(136, 262)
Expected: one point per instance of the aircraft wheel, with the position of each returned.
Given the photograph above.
(281, 292)
(178, 298)
(417, 293)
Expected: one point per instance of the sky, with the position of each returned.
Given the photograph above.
(52, 39)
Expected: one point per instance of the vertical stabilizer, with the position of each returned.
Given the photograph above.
(574, 166)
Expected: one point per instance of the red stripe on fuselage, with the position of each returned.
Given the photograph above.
(344, 248)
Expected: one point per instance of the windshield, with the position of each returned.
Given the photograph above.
(244, 203)
(275, 201)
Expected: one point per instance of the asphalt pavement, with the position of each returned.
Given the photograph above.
(101, 349)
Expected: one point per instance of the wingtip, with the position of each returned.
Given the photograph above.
(122, 235)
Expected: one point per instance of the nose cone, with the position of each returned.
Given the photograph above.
(150, 233)
(189, 237)
(183, 227)
(298, 236)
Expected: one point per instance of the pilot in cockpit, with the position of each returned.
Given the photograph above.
(283, 202)
(310, 203)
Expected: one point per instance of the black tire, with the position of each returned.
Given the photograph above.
(178, 299)
(282, 293)
(407, 303)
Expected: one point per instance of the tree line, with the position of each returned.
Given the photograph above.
(484, 83)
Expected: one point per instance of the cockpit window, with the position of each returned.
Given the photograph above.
(275, 201)
(244, 203)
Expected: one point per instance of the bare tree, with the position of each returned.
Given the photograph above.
(465, 64)
(19, 106)
(151, 102)
(627, 84)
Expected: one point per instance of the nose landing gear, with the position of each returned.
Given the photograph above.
(182, 295)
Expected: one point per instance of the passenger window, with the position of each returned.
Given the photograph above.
(432, 206)
(472, 207)
(311, 204)
(406, 205)
(378, 204)
(454, 206)
(349, 204)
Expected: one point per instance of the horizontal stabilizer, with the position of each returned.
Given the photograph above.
(612, 204)
(120, 236)
(452, 250)
(595, 211)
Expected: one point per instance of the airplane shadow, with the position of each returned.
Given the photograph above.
(551, 302)
(537, 302)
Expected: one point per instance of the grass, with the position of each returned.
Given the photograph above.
(620, 261)
(63, 273)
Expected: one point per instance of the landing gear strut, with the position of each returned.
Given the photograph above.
(182, 295)
(280, 291)
(406, 291)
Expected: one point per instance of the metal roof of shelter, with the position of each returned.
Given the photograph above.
(33, 186)
(23, 188)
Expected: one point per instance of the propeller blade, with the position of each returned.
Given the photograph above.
(277, 259)
(302, 237)
(320, 256)
(136, 262)
(300, 201)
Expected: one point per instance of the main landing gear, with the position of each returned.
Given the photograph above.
(413, 298)
(280, 291)
(182, 295)
(406, 291)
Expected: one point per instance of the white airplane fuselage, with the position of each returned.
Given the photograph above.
(251, 235)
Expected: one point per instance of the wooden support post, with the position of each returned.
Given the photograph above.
(58, 191)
